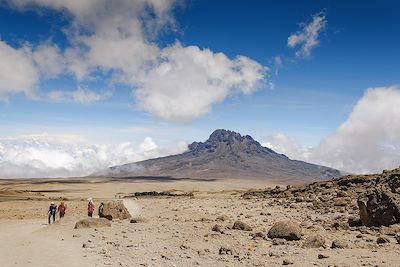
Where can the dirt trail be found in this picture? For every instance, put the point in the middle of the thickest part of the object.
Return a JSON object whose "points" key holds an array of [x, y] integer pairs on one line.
{"points": [[34, 243]]}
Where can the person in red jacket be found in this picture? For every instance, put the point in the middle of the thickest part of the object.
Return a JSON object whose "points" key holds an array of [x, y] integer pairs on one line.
{"points": [[61, 209], [90, 208]]}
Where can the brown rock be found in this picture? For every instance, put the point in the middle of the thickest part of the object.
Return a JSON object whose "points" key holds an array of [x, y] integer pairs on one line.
{"points": [[285, 229], [239, 225], [92, 223], [115, 210], [339, 244], [314, 241], [378, 208], [382, 240], [217, 228]]}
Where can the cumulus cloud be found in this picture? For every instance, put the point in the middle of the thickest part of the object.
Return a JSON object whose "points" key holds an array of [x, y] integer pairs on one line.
{"points": [[189, 80], [307, 37], [18, 73], [46, 155], [118, 38], [368, 141]]}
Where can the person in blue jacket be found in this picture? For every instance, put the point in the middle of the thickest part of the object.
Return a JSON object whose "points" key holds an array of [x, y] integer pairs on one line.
{"points": [[52, 211]]}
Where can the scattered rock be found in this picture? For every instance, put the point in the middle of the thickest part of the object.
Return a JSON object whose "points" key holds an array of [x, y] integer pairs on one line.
{"points": [[285, 229], [259, 235], [137, 220], [278, 241], [382, 240], [314, 241], [322, 256], [287, 262], [397, 237], [239, 225], [225, 251], [217, 228], [339, 244], [92, 223]]}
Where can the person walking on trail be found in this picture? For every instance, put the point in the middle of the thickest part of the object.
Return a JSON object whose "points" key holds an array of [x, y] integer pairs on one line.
{"points": [[90, 208], [62, 208], [52, 211], [101, 209]]}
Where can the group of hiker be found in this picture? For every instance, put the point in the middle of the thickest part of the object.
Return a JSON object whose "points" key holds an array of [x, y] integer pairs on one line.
{"points": [[53, 209], [62, 208]]}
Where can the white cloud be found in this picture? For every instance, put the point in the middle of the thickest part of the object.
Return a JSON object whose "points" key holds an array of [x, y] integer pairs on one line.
{"points": [[17, 71], [80, 95], [49, 60], [368, 141], [188, 81], [45, 155], [175, 83], [307, 36]]}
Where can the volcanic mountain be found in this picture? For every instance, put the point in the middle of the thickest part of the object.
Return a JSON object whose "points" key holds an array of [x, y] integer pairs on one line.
{"points": [[226, 154]]}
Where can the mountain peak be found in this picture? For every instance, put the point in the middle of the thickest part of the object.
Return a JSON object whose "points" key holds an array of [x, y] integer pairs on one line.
{"points": [[224, 141]]}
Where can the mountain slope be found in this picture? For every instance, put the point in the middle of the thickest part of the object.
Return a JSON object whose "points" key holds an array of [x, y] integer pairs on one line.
{"points": [[226, 154]]}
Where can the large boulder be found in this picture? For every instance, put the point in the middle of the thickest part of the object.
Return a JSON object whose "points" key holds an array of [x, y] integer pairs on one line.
{"points": [[285, 229], [92, 223], [379, 207], [115, 210]]}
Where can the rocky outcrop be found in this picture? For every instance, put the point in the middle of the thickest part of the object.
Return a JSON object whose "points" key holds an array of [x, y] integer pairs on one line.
{"points": [[92, 223], [379, 207], [285, 229], [370, 200]]}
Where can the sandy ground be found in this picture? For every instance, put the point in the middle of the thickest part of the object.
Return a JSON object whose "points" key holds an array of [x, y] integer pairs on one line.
{"points": [[172, 231]]}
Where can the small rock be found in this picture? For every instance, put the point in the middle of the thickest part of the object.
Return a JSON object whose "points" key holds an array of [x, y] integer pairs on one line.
{"points": [[382, 240], [239, 225], [339, 244], [285, 229], [287, 262], [278, 241], [217, 228], [322, 256], [314, 241]]}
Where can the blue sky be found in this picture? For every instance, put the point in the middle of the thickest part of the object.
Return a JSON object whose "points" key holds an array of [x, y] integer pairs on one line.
{"points": [[118, 95]]}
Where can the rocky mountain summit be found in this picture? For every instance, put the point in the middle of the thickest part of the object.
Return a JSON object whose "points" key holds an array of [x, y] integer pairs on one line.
{"points": [[226, 154]]}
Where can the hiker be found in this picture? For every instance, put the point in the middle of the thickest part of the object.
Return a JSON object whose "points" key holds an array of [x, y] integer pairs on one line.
{"points": [[61, 209], [90, 208], [52, 211], [101, 209]]}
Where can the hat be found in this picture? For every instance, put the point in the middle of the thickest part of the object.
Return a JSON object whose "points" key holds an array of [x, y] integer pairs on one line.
{"points": [[52, 203]]}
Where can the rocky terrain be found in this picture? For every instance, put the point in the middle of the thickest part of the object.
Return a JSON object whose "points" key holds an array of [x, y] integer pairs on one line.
{"points": [[226, 154], [347, 221]]}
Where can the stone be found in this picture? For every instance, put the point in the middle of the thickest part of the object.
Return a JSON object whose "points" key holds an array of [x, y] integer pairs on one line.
{"points": [[382, 240], [339, 244], [397, 237], [217, 228], [379, 207], [285, 229], [315, 241], [239, 225], [278, 241], [322, 256], [115, 210], [92, 223], [287, 262]]}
